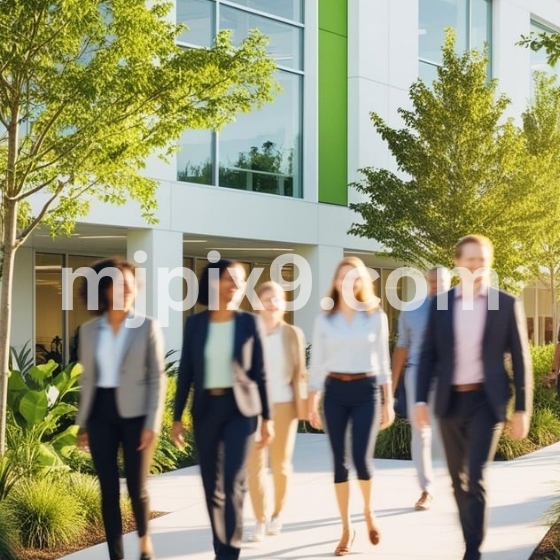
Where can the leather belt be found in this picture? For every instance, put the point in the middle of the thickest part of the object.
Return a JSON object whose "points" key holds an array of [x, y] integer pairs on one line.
{"points": [[349, 376], [466, 387], [219, 392]]}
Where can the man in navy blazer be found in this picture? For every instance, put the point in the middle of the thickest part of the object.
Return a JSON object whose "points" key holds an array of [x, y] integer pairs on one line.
{"points": [[470, 331]]}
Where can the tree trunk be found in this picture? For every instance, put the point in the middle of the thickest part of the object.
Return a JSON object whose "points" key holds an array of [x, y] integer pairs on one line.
{"points": [[553, 297], [7, 267]]}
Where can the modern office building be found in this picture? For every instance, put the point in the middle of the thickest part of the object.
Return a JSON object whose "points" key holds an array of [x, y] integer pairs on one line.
{"points": [[276, 181]]}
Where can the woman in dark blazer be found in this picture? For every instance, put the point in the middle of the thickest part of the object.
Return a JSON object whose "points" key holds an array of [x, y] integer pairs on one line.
{"points": [[122, 395], [222, 359]]}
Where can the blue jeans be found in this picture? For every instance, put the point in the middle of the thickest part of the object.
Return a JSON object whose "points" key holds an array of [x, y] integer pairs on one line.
{"points": [[356, 402]]}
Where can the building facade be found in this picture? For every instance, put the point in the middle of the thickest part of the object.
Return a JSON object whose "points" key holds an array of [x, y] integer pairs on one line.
{"points": [[276, 181]]}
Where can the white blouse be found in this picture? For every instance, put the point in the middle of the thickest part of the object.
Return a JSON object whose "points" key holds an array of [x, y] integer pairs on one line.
{"points": [[361, 346]]}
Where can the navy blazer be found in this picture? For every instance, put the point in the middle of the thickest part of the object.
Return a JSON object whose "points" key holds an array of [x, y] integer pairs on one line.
{"points": [[505, 331], [248, 366]]}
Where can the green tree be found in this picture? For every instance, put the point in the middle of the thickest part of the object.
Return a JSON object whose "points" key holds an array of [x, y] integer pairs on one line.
{"points": [[541, 125], [89, 89], [463, 168]]}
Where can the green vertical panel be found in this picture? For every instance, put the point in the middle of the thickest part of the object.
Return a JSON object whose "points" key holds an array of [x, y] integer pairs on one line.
{"points": [[333, 117], [333, 16]]}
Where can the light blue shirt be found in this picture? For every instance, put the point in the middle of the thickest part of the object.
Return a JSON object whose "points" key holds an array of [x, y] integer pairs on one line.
{"points": [[109, 353], [218, 355], [412, 325], [361, 346]]}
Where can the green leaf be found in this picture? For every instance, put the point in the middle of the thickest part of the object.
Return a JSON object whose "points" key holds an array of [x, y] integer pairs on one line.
{"points": [[33, 407], [16, 383], [40, 373], [65, 441]]}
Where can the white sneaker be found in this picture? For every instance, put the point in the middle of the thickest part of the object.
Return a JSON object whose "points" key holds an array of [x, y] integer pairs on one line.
{"points": [[275, 526], [258, 534]]}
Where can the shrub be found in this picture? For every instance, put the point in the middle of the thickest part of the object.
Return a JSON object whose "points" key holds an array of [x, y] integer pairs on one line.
{"points": [[45, 513], [394, 442], [7, 537]]}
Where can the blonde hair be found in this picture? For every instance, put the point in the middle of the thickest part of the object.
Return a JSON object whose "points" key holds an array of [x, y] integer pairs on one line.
{"points": [[271, 286], [366, 292], [481, 240]]}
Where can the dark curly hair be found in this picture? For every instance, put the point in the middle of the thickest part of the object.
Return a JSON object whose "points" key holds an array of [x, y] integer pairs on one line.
{"points": [[204, 286], [103, 282]]}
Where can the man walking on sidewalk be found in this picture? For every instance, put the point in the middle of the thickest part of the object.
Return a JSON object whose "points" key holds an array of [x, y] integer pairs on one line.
{"points": [[470, 330], [412, 324]]}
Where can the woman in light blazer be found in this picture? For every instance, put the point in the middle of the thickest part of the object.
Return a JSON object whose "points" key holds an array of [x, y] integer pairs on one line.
{"points": [[122, 396], [287, 381], [222, 359], [350, 363]]}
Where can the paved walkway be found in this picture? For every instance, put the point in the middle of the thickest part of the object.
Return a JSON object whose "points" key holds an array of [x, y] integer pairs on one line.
{"points": [[520, 492]]}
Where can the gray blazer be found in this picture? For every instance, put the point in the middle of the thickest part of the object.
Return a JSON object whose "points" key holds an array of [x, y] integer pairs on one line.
{"points": [[142, 373]]}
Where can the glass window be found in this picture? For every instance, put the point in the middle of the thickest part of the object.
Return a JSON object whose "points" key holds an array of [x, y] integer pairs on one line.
{"points": [[262, 150], [539, 62], [285, 41], [49, 317], [194, 159], [288, 9], [435, 16], [471, 20], [198, 16], [427, 72]]}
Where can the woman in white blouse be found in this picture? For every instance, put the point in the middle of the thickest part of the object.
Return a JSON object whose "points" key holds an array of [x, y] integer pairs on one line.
{"points": [[287, 385], [350, 360]]}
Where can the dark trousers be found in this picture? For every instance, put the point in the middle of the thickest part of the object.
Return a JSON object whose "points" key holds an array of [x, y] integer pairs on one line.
{"points": [[222, 436], [107, 431], [470, 435], [356, 402]]}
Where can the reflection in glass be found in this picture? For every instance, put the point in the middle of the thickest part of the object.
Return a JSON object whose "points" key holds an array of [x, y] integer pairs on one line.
{"points": [[427, 72], [194, 159], [261, 151], [198, 16], [434, 17], [285, 43], [539, 62], [288, 9], [481, 16], [49, 324], [79, 313]]}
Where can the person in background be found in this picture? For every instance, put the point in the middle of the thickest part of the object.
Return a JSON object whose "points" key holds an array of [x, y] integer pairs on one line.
{"points": [[122, 393], [350, 364], [287, 383], [412, 324], [222, 359]]}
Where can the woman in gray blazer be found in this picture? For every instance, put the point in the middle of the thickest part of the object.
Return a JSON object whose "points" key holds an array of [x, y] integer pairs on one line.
{"points": [[121, 396], [222, 359]]}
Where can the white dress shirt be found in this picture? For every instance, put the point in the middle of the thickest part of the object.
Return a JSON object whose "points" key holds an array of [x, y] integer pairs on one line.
{"points": [[218, 355], [110, 353], [280, 388], [361, 346]]}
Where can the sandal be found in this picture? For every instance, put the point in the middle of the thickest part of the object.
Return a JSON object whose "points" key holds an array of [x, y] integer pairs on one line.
{"points": [[373, 529], [345, 545]]}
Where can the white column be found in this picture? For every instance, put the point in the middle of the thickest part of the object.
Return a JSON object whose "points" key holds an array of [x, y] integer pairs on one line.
{"points": [[164, 251], [322, 260], [23, 316]]}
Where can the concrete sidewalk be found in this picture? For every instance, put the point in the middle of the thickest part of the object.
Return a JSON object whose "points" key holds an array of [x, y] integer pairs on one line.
{"points": [[520, 492]]}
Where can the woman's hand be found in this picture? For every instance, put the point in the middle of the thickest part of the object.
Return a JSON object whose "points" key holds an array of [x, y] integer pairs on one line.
{"points": [[315, 419], [147, 438], [387, 415], [177, 437], [267, 433], [82, 440]]}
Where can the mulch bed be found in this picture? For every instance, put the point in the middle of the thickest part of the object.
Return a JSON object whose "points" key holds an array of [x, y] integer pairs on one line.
{"points": [[547, 549], [91, 537]]}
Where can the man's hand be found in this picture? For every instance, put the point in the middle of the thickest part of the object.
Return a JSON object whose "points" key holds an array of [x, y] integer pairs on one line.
{"points": [[146, 439], [387, 416], [422, 416], [519, 425], [267, 434], [177, 431], [82, 440]]}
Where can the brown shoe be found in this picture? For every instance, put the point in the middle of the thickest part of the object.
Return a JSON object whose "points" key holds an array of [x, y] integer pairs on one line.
{"points": [[345, 545], [424, 502]]}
